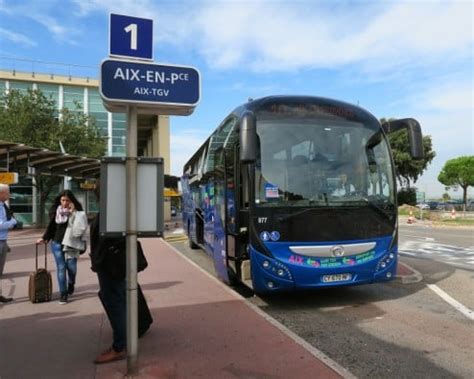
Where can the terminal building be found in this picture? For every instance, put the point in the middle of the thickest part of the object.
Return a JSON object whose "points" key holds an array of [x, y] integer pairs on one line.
{"points": [[66, 91]]}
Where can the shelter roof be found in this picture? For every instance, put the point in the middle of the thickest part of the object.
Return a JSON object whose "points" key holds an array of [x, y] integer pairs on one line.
{"points": [[19, 157]]}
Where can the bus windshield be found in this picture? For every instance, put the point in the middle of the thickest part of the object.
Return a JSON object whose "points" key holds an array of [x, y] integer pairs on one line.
{"points": [[322, 162]]}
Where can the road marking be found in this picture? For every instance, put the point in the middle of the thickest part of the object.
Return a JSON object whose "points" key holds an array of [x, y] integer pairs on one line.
{"points": [[457, 305]]}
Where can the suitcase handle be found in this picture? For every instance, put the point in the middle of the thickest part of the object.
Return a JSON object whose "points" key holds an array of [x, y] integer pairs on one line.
{"points": [[45, 255]]}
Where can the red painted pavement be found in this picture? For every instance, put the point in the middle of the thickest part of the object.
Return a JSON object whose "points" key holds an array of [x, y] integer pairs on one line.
{"points": [[201, 328]]}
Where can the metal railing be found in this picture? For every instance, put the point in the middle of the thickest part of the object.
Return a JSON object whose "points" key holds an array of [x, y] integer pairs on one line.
{"points": [[15, 64]]}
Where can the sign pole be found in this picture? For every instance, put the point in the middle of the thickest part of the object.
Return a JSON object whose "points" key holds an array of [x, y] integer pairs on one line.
{"points": [[133, 85], [131, 282]]}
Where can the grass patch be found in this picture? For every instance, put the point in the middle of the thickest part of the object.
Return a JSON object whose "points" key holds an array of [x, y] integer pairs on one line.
{"points": [[438, 218], [456, 222]]}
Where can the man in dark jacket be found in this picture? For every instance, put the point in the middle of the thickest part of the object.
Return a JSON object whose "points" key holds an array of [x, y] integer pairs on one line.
{"points": [[7, 222], [112, 291]]}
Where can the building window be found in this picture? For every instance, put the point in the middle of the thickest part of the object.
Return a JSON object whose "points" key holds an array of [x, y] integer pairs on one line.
{"points": [[73, 95], [21, 86]]}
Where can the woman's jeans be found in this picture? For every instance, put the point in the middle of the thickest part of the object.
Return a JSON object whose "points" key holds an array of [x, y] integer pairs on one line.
{"points": [[114, 299], [64, 267]]}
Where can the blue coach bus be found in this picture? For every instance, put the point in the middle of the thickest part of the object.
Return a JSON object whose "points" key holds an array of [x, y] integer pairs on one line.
{"points": [[297, 192]]}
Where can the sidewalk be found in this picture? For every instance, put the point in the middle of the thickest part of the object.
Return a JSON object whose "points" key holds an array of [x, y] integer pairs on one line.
{"points": [[201, 328]]}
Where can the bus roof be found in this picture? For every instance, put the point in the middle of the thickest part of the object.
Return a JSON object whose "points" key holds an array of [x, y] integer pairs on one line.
{"points": [[261, 103]]}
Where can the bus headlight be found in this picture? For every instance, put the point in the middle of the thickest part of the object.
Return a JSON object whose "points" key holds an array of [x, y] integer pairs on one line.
{"points": [[276, 268], [384, 262]]}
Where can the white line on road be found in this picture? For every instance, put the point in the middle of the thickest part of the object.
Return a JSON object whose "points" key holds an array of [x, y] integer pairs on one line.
{"points": [[457, 305]]}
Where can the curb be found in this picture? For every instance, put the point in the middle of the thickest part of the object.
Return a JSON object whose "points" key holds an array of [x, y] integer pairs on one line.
{"points": [[319, 355], [414, 277]]}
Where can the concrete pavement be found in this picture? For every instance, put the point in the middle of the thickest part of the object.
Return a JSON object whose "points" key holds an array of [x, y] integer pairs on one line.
{"points": [[201, 328]]}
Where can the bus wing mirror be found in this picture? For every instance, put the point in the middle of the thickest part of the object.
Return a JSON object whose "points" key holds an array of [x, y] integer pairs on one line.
{"points": [[248, 138], [414, 134]]}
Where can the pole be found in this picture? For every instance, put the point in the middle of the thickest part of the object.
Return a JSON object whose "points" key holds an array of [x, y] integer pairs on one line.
{"points": [[131, 195]]}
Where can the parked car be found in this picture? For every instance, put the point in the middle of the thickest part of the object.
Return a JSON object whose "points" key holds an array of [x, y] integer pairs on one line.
{"points": [[423, 206], [441, 206], [433, 205]]}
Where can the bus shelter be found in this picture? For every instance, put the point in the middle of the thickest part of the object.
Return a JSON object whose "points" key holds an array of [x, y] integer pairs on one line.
{"points": [[27, 160], [20, 163]]}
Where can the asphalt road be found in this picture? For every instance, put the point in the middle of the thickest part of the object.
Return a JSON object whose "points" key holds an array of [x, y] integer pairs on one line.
{"points": [[422, 329], [453, 246]]}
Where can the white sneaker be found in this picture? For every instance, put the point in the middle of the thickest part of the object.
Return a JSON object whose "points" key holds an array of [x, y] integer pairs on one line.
{"points": [[63, 299]]}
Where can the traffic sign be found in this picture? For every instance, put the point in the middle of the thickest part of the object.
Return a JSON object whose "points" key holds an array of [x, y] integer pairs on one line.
{"points": [[8, 177], [420, 197], [174, 89], [131, 37]]}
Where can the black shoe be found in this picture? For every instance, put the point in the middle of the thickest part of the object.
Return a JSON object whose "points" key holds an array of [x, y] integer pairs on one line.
{"points": [[63, 299], [70, 288], [5, 299]]}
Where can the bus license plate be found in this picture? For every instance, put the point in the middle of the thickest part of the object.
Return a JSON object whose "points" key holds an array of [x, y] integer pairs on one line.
{"points": [[337, 278]]}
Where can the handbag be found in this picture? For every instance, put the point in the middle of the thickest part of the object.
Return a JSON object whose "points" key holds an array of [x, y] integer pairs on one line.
{"points": [[85, 248]]}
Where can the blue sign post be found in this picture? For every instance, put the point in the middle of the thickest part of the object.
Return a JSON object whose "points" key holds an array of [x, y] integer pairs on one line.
{"points": [[131, 37], [149, 85]]}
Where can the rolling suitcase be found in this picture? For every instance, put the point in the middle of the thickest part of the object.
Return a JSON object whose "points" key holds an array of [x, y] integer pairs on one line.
{"points": [[40, 287], [144, 315]]}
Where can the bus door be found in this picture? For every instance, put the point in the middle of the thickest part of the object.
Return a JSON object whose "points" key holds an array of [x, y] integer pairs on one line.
{"points": [[208, 207], [219, 235], [215, 223], [236, 236]]}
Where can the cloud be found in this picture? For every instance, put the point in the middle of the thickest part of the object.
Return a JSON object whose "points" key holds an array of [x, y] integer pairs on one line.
{"points": [[183, 144], [42, 13], [449, 97], [59, 31], [131, 8], [279, 36], [285, 36], [17, 38]]}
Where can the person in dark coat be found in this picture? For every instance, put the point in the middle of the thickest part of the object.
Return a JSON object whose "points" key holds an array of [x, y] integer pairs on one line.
{"points": [[112, 292]]}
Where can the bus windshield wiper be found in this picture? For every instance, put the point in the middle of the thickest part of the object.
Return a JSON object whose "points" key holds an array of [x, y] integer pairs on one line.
{"points": [[383, 210], [287, 217]]}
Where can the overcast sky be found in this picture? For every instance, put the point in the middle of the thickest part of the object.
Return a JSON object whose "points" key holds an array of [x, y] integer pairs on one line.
{"points": [[395, 59]]}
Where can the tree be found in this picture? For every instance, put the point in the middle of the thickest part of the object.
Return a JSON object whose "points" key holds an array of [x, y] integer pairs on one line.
{"points": [[406, 168], [458, 172], [32, 118], [446, 196]]}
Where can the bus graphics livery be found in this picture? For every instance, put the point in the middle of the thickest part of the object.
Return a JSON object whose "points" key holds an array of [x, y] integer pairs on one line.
{"points": [[297, 192]]}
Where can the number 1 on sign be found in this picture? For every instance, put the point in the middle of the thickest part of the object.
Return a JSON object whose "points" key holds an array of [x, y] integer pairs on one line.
{"points": [[133, 38]]}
